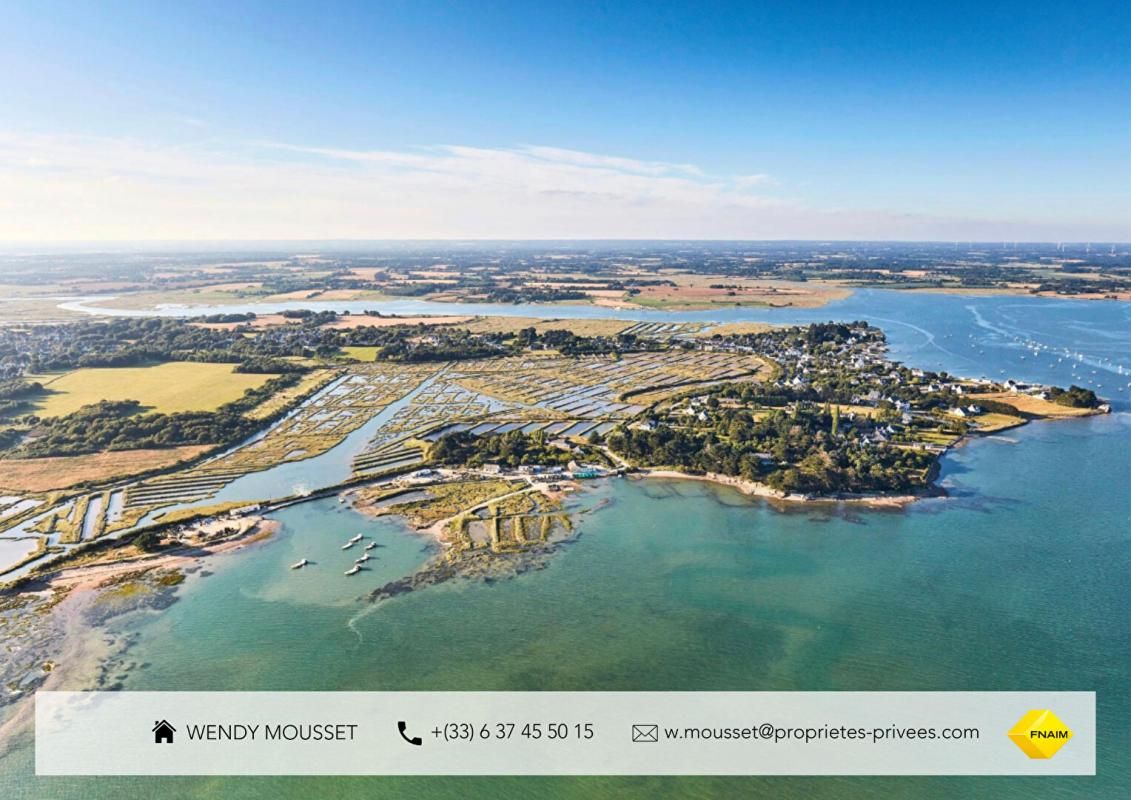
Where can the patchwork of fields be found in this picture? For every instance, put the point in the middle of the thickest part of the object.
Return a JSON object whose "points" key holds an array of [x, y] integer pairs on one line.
{"points": [[316, 426], [418, 403], [61, 472], [559, 395]]}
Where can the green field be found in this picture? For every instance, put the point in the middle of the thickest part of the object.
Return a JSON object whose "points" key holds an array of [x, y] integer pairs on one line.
{"points": [[176, 386], [361, 353]]}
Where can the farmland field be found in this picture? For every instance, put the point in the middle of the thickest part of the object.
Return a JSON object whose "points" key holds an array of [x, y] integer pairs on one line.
{"points": [[579, 327], [704, 291], [45, 474], [187, 297], [166, 388], [1027, 404], [361, 353], [988, 423]]}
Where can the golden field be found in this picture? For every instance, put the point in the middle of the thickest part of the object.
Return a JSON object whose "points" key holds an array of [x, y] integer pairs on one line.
{"points": [[167, 388], [1027, 404], [60, 472]]}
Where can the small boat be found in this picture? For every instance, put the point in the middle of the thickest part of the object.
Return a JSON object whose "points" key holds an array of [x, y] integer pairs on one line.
{"points": [[353, 570], [371, 545], [299, 564], [348, 545], [362, 560], [355, 538]]}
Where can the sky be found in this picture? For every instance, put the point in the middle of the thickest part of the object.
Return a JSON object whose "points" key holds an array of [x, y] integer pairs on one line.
{"points": [[187, 121]]}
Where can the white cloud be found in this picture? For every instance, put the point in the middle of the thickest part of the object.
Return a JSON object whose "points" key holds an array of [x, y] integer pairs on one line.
{"points": [[58, 188], [632, 165], [750, 181]]}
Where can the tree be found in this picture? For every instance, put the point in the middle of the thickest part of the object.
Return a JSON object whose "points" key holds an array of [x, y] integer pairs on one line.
{"points": [[149, 541]]}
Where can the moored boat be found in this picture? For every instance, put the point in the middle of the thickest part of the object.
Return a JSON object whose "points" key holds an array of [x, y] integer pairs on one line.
{"points": [[353, 570], [299, 564]]}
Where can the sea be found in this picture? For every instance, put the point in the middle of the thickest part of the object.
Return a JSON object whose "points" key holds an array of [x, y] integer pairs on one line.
{"points": [[1016, 580]]}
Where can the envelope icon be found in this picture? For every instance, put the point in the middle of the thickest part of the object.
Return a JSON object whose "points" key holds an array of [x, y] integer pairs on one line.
{"points": [[645, 733]]}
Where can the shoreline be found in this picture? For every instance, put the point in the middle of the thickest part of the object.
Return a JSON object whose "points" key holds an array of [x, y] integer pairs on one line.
{"points": [[69, 653], [877, 501], [993, 291], [755, 489], [78, 654], [63, 628], [85, 577], [74, 654], [89, 305], [437, 529]]}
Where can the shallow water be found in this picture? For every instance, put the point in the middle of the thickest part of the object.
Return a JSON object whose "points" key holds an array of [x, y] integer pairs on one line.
{"points": [[1016, 581], [678, 585], [16, 549]]}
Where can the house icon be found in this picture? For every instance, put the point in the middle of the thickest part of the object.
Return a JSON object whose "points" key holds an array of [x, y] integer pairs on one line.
{"points": [[163, 733]]}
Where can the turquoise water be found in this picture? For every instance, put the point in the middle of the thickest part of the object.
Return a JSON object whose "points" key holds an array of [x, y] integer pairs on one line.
{"points": [[1018, 580], [676, 585]]}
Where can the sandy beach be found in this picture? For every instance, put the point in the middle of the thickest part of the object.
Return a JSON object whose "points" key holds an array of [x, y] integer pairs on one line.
{"points": [[92, 576]]}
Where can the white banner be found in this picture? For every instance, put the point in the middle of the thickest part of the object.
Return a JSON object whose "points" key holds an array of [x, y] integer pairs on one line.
{"points": [[565, 733]]}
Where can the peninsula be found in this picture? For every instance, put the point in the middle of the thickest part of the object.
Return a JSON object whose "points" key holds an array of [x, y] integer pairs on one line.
{"points": [[97, 451]]}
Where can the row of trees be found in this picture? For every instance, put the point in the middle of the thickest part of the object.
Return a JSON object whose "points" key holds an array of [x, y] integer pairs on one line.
{"points": [[570, 344], [16, 396], [136, 342], [513, 449]]}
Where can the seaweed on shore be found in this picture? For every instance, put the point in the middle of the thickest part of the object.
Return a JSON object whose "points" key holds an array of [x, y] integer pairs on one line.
{"points": [[30, 637], [153, 589], [478, 564]]}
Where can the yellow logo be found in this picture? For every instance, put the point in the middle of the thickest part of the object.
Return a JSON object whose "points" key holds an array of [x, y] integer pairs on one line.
{"points": [[1040, 733]]}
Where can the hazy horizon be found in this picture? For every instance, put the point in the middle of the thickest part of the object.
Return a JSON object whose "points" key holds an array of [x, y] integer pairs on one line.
{"points": [[578, 121], [211, 244]]}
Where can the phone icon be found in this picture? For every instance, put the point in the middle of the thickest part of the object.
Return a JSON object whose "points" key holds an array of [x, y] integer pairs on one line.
{"points": [[416, 740]]}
